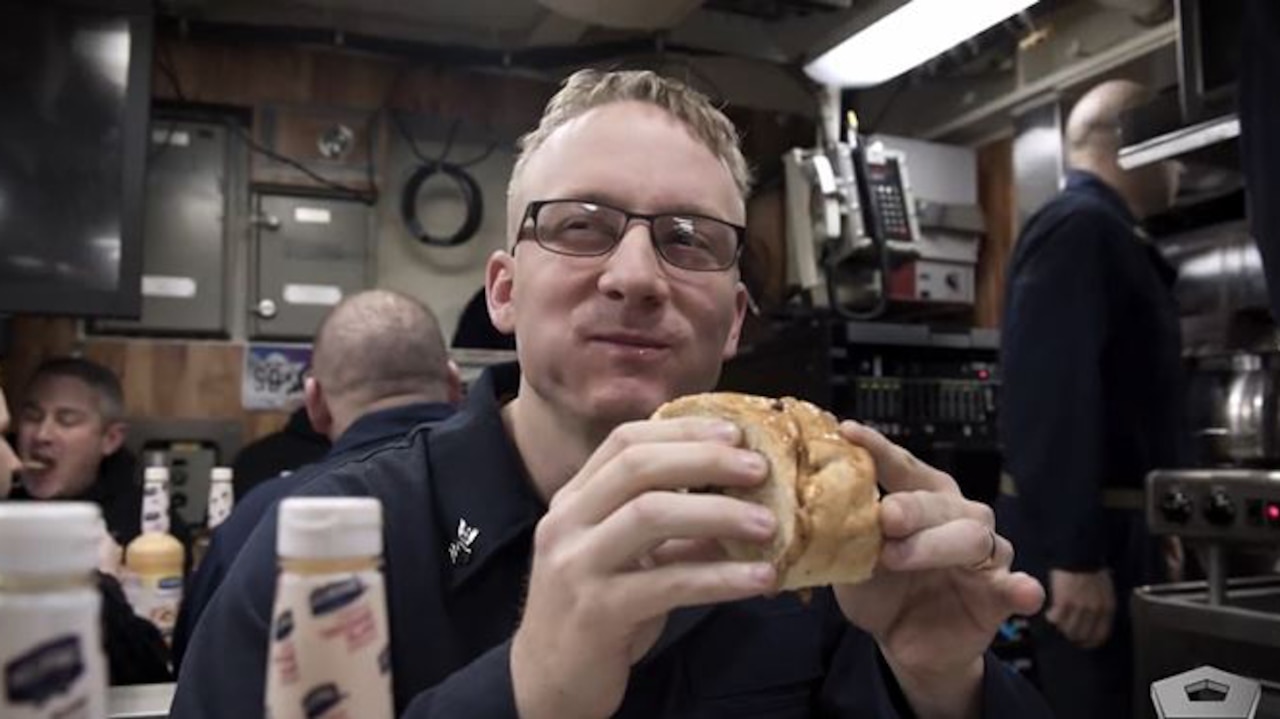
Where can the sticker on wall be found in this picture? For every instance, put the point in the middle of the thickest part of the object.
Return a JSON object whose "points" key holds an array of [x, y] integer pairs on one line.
{"points": [[174, 287], [273, 375], [319, 295]]}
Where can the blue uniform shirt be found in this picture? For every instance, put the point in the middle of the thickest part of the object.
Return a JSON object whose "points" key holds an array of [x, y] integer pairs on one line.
{"points": [[365, 434], [452, 613], [1092, 394]]}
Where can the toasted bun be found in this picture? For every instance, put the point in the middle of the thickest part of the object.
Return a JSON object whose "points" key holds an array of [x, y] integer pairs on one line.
{"points": [[821, 487]]}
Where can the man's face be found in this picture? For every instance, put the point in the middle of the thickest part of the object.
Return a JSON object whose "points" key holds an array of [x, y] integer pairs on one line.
{"points": [[605, 340], [8, 460], [62, 438]]}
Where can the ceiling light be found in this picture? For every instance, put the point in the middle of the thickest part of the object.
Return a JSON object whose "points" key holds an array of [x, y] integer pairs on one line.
{"points": [[910, 35]]}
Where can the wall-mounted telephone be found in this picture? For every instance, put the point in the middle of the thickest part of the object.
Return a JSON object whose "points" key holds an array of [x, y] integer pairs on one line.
{"points": [[860, 235], [850, 220]]}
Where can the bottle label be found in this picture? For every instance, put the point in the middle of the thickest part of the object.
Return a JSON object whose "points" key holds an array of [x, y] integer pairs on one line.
{"points": [[330, 653], [155, 507], [51, 662], [220, 501], [155, 598]]}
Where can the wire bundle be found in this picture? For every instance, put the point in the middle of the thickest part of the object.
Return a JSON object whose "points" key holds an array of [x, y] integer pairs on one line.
{"points": [[467, 186]]}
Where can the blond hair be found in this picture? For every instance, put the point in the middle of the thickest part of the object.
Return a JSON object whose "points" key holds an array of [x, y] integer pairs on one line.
{"points": [[585, 90]]}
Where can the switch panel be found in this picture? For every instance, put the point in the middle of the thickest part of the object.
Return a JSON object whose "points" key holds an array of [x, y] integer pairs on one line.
{"points": [[1228, 505]]}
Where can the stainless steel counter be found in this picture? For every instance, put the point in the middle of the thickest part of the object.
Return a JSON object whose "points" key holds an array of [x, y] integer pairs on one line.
{"points": [[1176, 628]]}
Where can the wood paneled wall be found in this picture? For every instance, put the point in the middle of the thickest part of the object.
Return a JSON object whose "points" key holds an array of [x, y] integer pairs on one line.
{"points": [[251, 75], [294, 92], [169, 379], [997, 195]]}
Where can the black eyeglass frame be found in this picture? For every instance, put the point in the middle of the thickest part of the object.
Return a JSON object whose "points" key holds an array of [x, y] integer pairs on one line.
{"points": [[529, 230]]}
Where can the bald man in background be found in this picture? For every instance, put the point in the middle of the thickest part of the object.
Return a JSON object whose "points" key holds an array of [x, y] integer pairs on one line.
{"points": [[379, 368], [1091, 402]]}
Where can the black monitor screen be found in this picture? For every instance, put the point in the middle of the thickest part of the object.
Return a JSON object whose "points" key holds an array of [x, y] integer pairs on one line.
{"points": [[76, 84]]}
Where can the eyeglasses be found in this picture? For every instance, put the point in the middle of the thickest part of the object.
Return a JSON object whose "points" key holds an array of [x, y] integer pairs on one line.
{"points": [[591, 229]]}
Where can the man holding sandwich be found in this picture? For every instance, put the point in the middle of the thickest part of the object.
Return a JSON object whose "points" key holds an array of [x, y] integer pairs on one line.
{"points": [[544, 557]]}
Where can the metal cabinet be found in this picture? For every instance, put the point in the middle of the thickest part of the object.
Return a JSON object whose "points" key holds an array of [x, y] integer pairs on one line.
{"points": [[308, 253], [185, 232]]}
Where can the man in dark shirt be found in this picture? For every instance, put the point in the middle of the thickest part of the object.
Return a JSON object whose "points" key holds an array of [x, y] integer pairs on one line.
{"points": [[1092, 401], [135, 650], [296, 444], [476, 331], [538, 562], [379, 369], [71, 432]]}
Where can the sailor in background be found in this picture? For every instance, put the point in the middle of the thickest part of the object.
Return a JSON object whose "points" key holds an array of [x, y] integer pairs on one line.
{"points": [[1092, 401], [135, 651]]}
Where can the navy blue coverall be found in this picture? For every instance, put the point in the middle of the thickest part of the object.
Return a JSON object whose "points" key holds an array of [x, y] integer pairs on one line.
{"points": [[1091, 401], [452, 613]]}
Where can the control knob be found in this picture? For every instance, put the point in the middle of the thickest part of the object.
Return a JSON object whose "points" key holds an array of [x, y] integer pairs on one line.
{"points": [[1220, 510], [1176, 506]]}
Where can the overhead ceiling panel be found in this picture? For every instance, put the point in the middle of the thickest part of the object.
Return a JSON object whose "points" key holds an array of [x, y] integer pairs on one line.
{"points": [[484, 23]]}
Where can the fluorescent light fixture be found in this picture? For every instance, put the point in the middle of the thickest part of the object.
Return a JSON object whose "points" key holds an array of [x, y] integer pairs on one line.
{"points": [[918, 31]]}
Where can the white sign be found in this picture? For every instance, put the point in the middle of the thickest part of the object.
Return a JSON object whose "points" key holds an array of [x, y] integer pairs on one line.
{"points": [[312, 215], [162, 286], [321, 295]]}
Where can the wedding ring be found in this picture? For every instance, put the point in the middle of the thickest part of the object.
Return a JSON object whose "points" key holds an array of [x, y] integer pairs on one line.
{"points": [[990, 560]]}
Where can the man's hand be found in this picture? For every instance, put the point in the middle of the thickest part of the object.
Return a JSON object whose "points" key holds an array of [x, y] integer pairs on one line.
{"points": [[620, 548], [110, 554], [1175, 558], [943, 585], [1083, 605]]}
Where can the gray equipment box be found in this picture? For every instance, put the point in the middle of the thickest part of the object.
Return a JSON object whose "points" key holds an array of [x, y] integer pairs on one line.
{"points": [[308, 253], [185, 232]]}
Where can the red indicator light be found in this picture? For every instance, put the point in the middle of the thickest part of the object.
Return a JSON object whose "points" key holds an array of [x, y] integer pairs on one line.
{"points": [[1273, 512], [983, 374]]}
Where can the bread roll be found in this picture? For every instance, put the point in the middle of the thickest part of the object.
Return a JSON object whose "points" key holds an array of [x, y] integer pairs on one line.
{"points": [[821, 487]]}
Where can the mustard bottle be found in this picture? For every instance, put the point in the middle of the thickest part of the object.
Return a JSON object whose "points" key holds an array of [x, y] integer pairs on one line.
{"points": [[153, 560]]}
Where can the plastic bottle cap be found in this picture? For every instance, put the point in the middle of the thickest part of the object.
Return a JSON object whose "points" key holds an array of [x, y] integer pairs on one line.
{"points": [[49, 538], [155, 553], [220, 474], [155, 474], [329, 528]]}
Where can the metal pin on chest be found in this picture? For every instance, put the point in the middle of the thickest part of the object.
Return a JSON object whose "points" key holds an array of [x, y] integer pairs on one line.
{"points": [[460, 548]]}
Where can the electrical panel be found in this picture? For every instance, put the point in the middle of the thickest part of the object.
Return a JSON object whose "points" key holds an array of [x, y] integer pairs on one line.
{"points": [[185, 248], [308, 253]]}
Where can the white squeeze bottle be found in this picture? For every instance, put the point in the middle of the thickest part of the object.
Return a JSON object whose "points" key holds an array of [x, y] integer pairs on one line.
{"points": [[153, 560], [330, 647], [218, 508], [221, 496], [51, 658]]}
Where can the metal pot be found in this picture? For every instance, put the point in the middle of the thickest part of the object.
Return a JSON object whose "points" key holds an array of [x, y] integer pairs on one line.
{"points": [[1246, 426]]}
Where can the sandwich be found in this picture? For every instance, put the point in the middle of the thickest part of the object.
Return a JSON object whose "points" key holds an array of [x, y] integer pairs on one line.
{"points": [[821, 486]]}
